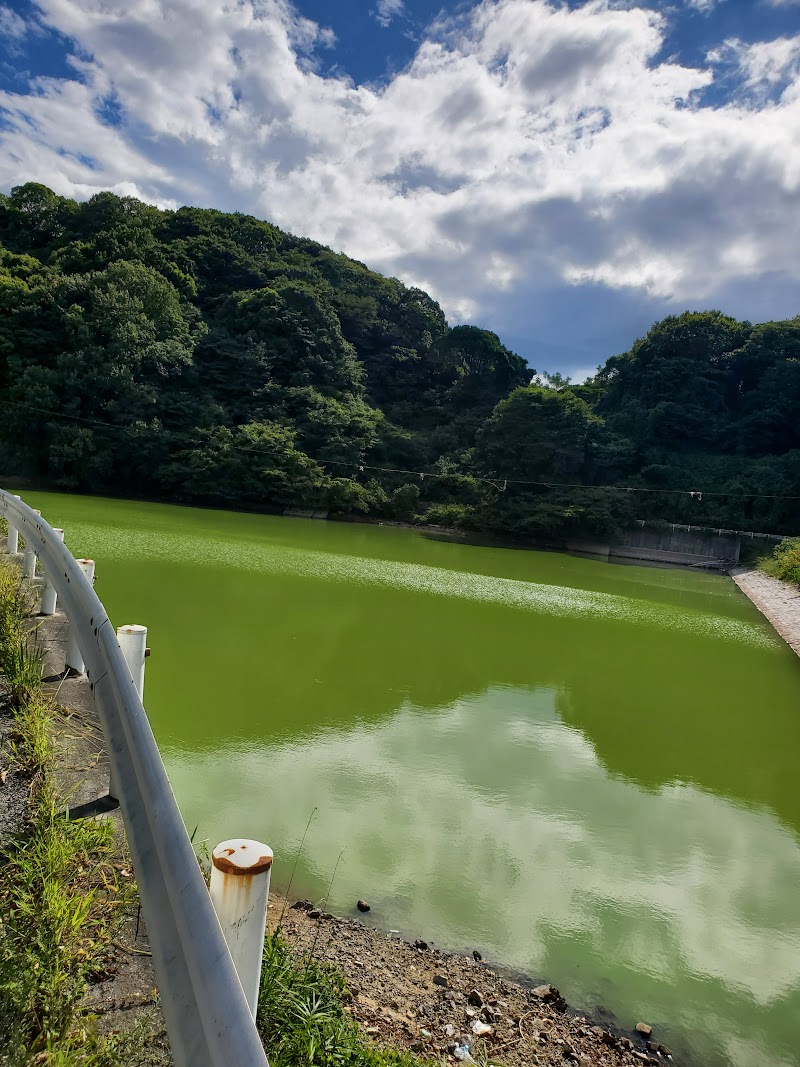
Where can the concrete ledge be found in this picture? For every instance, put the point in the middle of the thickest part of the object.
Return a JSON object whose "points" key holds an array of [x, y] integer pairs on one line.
{"points": [[658, 555], [777, 601]]}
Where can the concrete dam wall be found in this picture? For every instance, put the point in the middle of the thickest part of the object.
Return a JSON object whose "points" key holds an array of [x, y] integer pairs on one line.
{"points": [[668, 544]]}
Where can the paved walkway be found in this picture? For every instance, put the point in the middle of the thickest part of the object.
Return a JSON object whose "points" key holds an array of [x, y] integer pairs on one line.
{"points": [[776, 600]]}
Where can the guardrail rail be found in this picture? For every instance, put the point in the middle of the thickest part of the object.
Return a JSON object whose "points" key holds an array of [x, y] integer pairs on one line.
{"points": [[208, 1019]]}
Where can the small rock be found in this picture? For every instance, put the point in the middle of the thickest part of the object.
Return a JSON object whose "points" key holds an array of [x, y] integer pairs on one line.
{"points": [[419, 943], [470, 1013], [315, 913], [302, 905], [481, 1029], [643, 1028], [373, 1030], [439, 979], [475, 999], [550, 995], [362, 905], [476, 955], [424, 1032], [608, 1039], [450, 1030]]}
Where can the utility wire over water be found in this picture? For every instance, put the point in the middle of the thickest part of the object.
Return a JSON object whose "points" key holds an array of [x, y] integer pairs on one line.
{"points": [[499, 481]]}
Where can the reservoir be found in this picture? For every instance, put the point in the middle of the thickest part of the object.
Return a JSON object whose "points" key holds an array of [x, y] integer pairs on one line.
{"points": [[588, 772]]}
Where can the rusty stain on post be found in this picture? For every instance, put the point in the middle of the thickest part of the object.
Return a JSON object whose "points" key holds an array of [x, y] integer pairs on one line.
{"points": [[239, 890], [241, 864]]}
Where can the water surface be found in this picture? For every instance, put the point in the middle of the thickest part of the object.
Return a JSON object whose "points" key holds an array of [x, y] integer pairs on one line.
{"points": [[586, 771]]}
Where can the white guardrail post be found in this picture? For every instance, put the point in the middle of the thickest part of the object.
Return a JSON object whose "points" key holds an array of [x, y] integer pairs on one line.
{"points": [[12, 541], [73, 660], [133, 642], [209, 1018], [49, 599], [240, 892], [29, 556]]}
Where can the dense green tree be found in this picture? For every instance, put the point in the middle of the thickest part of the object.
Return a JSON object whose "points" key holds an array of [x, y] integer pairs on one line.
{"points": [[670, 387], [537, 434], [544, 437], [257, 463], [210, 356]]}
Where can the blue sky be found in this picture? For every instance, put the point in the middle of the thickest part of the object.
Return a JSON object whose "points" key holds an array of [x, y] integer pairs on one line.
{"points": [[564, 173]]}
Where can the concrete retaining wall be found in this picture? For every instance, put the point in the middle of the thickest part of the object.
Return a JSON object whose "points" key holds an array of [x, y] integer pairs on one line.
{"points": [[691, 544], [671, 545]]}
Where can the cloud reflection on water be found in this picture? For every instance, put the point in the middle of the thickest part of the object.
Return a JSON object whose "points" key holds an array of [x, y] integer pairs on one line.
{"points": [[489, 822]]}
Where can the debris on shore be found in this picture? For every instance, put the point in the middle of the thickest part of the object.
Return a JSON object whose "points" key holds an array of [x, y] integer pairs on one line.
{"points": [[453, 1008]]}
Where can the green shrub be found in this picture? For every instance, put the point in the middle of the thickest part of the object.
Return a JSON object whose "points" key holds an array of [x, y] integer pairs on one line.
{"points": [[404, 503], [447, 514], [787, 560]]}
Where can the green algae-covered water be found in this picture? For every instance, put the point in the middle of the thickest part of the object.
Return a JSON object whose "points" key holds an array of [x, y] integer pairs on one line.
{"points": [[588, 772]]}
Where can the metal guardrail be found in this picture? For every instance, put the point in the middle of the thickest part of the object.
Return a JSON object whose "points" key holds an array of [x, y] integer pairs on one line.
{"points": [[659, 524], [206, 1012]]}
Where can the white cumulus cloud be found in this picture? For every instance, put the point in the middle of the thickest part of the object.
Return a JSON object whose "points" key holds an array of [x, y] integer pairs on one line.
{"points": [[11, 24], [764, 65], [387, 10], [527, 145]]}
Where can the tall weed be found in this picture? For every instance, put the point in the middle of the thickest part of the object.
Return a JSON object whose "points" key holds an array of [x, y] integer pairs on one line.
{"points": [[784, 563], [302, 1019]]}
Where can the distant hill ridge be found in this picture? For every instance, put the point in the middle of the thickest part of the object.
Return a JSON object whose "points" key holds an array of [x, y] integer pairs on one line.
{"points": [[212, 357]]}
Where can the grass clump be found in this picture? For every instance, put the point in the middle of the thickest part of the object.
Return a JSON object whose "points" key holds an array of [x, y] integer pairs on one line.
{"points": [[59, 892], [784, 562], [59, 899], [302, 1019], [20, 656]]}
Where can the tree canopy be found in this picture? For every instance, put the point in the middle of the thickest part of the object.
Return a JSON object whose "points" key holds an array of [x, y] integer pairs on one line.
{"points": [[211, 357]]}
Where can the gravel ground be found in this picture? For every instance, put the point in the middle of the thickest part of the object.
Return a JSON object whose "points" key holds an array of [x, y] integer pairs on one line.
{"points": [[435, 1003], [776, 600], [14, 785]]}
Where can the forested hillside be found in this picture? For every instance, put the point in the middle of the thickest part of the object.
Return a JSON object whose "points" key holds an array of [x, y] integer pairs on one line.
{"points": [[212, 358]]}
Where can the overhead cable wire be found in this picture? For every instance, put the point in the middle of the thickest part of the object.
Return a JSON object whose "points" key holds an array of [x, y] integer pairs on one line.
{"points": [[696, 494]]}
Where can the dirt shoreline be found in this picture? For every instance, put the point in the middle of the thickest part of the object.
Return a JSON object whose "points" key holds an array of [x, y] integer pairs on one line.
{"points": [[450, 1007], [777, 601]]}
